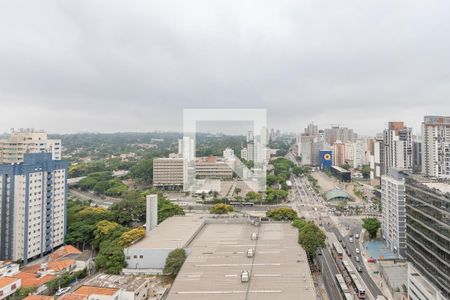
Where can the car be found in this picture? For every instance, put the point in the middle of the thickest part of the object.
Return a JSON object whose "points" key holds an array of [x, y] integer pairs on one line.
{"points": [[356, 236], [371, 260], [349, 253], [357, 258], [351, 240], [62, 291], [343, 245], [340, 240], [359, 268], [357, 251]]}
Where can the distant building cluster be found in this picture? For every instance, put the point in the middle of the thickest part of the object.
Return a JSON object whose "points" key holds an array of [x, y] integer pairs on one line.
{"points": [[344, 144]]}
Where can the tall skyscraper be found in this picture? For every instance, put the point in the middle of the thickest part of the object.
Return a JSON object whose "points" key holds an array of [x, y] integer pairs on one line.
{"points": [[397, 142], [27, 140], [436, 146], [428, 237], [393, 225], [376, 158], [33, 206]]}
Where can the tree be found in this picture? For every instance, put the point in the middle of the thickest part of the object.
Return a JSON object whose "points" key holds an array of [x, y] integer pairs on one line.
{"points": [[298, 223], [365, 170], [221, 208], [174, 261], [143, 171], [311, 238], [271, 180], [131, 236], [167, 209], [371, 225], [253, 196], [237, 191], [103, 229], [282, 213], [110, 257]]}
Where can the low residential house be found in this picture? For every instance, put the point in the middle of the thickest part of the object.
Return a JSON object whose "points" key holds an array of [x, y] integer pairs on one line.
{"points": [[92, 293], [8, 286], [82, 259], [8, 268], [31, 280], [64, 252], [52, 267], [131, 287], [39, 297]]}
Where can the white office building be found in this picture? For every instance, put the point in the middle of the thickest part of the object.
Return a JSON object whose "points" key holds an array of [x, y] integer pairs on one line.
{"points": [[397, 142], [228, 154], [28, 140], [33, 206], [393, 207], [436, 146]]}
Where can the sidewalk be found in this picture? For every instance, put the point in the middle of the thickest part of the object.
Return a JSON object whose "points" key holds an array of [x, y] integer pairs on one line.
{"points": [[372, 268]]}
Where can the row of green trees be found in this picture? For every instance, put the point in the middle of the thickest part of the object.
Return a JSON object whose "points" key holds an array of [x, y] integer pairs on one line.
{"points": [[103, 183], [311, 237], [110, 230]]}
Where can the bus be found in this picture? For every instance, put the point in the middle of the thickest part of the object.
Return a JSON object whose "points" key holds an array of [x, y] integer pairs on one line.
{"points": [[359, 288], [338, 249], [245, 204], [343, 287]]}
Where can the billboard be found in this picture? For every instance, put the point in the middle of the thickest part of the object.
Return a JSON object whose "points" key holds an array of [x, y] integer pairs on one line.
{"points": [[326, 159]]}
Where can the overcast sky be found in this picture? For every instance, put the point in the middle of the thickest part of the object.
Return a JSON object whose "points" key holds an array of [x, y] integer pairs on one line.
{"points": [[106, 66]]}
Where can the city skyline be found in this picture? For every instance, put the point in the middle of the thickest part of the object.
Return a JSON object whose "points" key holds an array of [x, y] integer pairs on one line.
{"points": [[136, 67]]}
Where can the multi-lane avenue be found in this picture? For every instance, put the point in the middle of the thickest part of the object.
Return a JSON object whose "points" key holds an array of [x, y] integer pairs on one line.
{"points": [[312, 207]]}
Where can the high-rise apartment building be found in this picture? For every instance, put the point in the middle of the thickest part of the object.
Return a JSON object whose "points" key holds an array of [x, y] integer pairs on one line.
{"points": [[393, 208], [33, 206], [376, 159], [428, 237], [436, 146], [397, 142], [24, 141]]}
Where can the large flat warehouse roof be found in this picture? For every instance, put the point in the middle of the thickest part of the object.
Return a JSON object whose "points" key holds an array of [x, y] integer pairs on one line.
{"points": [[174, 232], [279, 270]]}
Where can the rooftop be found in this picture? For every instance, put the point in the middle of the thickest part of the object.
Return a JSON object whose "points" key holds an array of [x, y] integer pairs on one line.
{"points": [[128, 283], [55, 266], [336, 194], [4, 281], [174, 232], [64, 251], [30, 279], [39, 297], [279, 270], [83, 292], [441, 186]]}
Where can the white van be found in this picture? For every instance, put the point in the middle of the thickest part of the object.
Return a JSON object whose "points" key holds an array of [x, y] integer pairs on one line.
{"points": [[351, 240]]}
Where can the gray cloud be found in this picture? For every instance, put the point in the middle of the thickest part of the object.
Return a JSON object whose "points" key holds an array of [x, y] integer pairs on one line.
{"points": [[70, 66]]}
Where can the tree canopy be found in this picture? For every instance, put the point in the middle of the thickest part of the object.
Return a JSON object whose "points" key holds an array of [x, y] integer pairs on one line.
{"points": [[282, 213], [221, 208], [372, 225], [174, 261]]}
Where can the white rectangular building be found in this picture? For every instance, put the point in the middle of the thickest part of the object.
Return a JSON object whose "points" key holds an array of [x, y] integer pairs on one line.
{"points": [[33, 206], [393, 207]]}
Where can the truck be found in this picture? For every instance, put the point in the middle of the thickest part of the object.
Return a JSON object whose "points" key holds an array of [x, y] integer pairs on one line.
{"points": [[245, 276], [250, 252]]}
